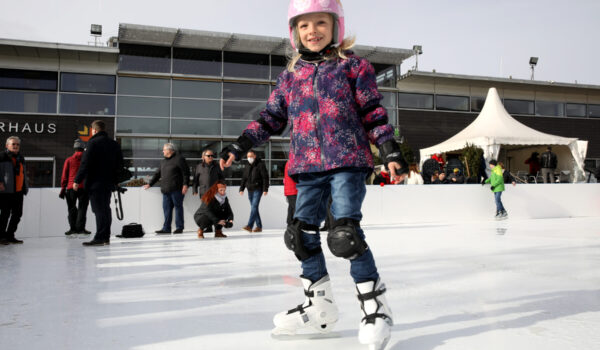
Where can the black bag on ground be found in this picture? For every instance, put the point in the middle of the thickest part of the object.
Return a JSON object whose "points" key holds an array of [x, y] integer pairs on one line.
{"points": [[132, 230]]}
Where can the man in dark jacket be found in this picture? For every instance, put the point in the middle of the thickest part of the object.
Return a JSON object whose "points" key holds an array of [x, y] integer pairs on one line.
{"points": [[174, 176], [13, 186], [76, 214], [100, 164], [548, 162], [207, 173], [256, 179]]}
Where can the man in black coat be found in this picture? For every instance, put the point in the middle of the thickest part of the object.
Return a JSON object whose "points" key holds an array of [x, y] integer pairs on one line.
{"points": [[100, 163], [207, 173], [13, 186], [256, 179], [174, 176], [548, 162]]}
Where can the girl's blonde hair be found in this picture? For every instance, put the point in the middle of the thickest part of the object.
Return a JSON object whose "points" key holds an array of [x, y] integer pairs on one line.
{"points": [[336, 52]]}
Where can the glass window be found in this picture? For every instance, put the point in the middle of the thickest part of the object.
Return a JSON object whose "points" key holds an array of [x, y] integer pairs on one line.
{"points": [[143, 106], [385, 75], [72, 82], [186, 108], [518, 106], [554, 109], [197, 62], [144, 86], [419, 101], [242, 110], [196, 89], [40, 173], [141, 147], [392, 116], [389, 99], [451, 103], [477, 103], [234, 128], [194, 148], [143, 168], [576, 110], [87, 104], [280, 150], [278, 65], [144, 58], [594, 111], [28, 79], [236, 170], [246, 65], [143, 125], [277, 168], [24, 101], [251, 92], [196, 127]]}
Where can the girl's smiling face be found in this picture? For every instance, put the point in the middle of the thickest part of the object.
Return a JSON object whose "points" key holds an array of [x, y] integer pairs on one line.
{"points": [[315, 30]]}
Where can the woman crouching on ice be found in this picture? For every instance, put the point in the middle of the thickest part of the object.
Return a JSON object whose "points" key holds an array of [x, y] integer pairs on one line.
{"points": [[215, 210]]}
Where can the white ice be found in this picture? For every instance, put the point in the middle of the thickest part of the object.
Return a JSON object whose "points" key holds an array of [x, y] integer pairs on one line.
{"points": [[514, 284]]}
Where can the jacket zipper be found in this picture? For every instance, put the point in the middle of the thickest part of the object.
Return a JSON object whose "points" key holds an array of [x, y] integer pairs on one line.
{"points": [[318, 113]]}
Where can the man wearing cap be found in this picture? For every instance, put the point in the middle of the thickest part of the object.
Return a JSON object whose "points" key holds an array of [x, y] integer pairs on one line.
{"points": [[456, 177], [76, 214]]}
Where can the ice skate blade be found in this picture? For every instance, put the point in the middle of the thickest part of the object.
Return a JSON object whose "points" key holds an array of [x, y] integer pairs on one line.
{"points": [[285, 335], [379, 346]]}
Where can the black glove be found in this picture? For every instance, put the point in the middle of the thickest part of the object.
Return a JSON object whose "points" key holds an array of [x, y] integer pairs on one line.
{"points": [[61, 195], [238, 148], [389, 151], [492, 188], [228, 224]]}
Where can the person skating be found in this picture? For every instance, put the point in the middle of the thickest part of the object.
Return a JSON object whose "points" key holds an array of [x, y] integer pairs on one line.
{"points": [[329, 96], [496, 180]]}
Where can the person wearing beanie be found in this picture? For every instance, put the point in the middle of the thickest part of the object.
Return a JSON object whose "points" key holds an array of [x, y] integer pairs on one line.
{"points": [[77, 201]]}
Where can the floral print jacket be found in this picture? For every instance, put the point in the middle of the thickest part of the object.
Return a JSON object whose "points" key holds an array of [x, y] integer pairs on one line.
{"points": [[334, 110]]}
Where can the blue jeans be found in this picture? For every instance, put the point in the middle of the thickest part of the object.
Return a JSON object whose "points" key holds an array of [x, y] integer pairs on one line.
{"points": [[254, 197], [170, 200], [498, 199], [347, 189]]}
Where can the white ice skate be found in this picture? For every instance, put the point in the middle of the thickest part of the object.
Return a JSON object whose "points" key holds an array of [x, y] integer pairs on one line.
{"points": [[375, 326], [318, 312]]}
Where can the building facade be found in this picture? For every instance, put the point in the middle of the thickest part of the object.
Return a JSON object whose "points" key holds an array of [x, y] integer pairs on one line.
{"points": [[199, 90]]}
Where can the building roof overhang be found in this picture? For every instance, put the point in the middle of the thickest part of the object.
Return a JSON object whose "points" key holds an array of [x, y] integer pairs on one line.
{"points": [[46, 50], [198, 39]]}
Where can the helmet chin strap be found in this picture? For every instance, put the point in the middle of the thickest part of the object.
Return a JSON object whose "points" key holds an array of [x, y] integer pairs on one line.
{"points": [[308, 55]]}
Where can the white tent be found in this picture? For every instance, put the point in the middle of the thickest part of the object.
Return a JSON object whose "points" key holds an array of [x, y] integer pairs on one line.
{"points": [[495, 128]]}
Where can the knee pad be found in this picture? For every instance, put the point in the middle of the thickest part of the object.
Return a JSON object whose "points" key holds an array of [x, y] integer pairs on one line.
{"points": [[293, 240], [344, 241]]}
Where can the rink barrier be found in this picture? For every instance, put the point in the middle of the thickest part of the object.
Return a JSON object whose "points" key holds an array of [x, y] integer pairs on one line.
{"points": [[45, 215]]}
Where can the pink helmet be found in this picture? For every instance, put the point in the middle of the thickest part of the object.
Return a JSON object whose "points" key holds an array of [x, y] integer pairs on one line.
{"points": [[301, 7]]}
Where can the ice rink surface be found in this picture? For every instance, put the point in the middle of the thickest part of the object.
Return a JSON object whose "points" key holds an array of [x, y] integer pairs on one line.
{"points": [[530, 284]]}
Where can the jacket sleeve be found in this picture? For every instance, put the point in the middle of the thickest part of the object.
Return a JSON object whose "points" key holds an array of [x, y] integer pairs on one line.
{"points": [[156, 177], [64, 180], [373, 115], [245, 175], [265, 177], [85, 163], [229, 211], [274, 118], [185, 170], [196, 181]]}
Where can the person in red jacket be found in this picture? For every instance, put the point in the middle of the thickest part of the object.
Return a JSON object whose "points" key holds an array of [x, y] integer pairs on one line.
{"points": [[77, 213], [291, 193]]}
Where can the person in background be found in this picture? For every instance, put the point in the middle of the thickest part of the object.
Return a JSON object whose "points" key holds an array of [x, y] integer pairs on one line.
{"points": [[440, 159], [439, 178], [76, 213], [548, 163], [100, 163], [506, 175], [174, 176], [496, 180], [256, 179], [534, 164], [214, 211], [291, 193], [456, 177], [208, 172], [14, 185], [413, 178], [381, 176]]}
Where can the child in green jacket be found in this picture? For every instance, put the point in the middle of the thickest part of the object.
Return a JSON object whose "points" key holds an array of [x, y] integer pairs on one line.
{"points": [[496, 179]]}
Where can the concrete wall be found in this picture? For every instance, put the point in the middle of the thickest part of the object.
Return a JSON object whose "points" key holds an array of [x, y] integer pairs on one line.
{"points": [[45, 214]]}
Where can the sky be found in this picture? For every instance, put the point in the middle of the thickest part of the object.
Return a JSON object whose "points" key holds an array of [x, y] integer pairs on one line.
{"points": [[472, 37]]}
